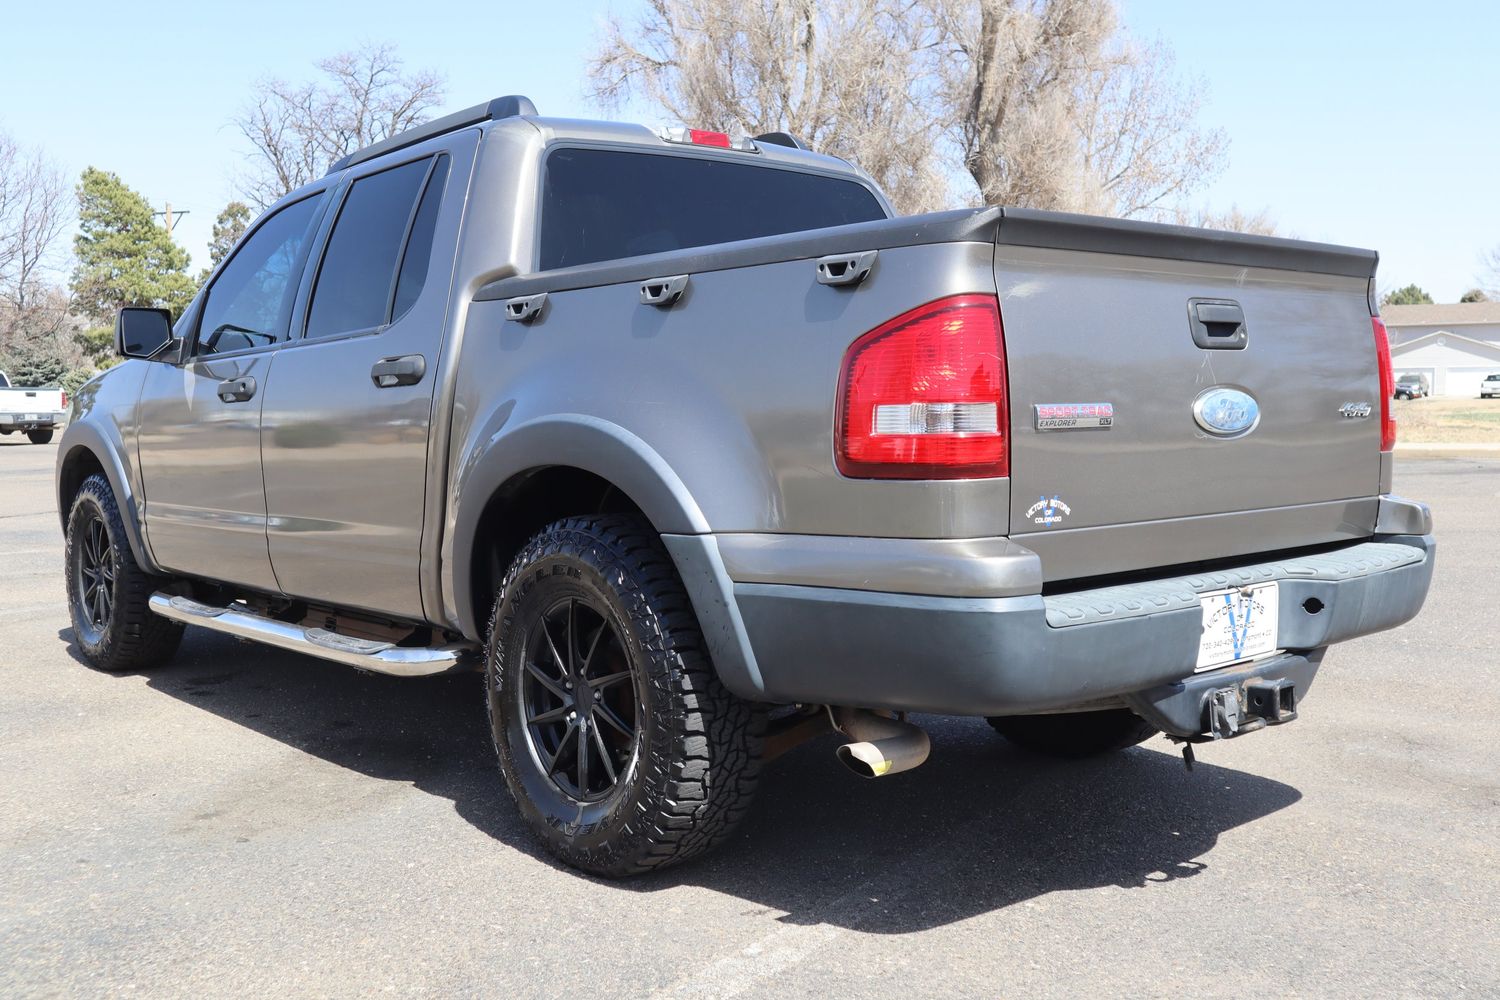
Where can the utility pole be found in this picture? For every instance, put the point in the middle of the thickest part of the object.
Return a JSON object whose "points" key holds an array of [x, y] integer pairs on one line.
{"points": [[170, 217]]}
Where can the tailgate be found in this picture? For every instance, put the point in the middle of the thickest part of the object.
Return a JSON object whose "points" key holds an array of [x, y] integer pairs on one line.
{"points": [[1150, 326], [29, 401]]}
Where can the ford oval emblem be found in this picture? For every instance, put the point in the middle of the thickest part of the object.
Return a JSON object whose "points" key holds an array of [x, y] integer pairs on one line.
{"points": [[1225, 412]]}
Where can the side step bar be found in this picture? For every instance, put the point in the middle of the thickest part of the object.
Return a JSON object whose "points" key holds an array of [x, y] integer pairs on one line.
{"points": [[367, 654]]}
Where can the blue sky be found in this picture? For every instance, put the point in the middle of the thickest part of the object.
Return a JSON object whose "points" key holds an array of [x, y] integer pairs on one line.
{"points": [[1366, 123]]}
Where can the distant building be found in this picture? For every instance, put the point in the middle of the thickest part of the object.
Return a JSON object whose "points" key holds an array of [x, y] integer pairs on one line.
{"points": [[1455, 346]]}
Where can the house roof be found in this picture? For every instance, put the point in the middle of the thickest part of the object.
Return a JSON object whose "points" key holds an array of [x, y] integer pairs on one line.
{"points": [[1486, 346], [1446, 314]]}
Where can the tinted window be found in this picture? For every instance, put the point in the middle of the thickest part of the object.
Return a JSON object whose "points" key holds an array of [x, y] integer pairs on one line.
{"points": [[602, 204], [249, 301], [419, 244], [354, 283]]}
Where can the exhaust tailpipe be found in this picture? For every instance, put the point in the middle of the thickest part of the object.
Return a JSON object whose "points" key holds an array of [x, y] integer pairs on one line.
{"points": [[882, 744]]}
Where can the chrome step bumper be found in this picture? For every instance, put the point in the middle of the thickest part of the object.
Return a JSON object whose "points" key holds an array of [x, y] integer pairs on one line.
{"points": [[367, 654]]}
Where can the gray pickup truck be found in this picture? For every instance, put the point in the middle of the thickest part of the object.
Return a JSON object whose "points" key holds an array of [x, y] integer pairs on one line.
{"points": [[698, 452]]}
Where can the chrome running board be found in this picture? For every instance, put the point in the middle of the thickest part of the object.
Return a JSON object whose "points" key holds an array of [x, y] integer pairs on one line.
{"points": [[367, 654]]}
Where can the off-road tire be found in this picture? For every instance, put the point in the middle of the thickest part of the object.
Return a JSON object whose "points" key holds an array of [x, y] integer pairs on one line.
{"points": [[697, 747], [1075, 735], [39, 437], [133, 638]]}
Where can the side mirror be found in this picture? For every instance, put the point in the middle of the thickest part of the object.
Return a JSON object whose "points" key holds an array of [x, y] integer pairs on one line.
{"points": [[142, 333]]}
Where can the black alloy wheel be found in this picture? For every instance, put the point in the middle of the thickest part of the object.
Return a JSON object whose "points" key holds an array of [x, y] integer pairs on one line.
{"points": [[580, 701], [108, 592], [94, 576], [621, 747]]}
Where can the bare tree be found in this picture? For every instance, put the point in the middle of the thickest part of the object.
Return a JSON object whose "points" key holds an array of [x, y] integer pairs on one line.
{"points": [[1235, 220], [840, 77], [34, 210], [298, 130], [1489, 275], [1050, 105], [1042, 103]]}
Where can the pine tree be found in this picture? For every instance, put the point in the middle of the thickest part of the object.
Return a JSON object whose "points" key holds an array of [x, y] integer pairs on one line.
{"points": [[33, 365], [1411, 295], [124, 257], [229, 228]]}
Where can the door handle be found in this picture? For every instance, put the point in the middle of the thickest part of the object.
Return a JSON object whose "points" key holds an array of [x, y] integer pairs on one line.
{"points": [[390, 372], [237, 390]]}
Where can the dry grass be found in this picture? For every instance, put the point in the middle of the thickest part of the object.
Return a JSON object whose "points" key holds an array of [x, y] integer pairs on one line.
{"points": [[1447, 421]]}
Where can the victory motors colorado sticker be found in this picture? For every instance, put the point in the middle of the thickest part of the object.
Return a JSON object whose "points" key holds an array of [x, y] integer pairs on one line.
{"points": [[1048, 512]]}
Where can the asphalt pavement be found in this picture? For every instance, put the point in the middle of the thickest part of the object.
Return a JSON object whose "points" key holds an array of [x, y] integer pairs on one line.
{"points": [[249, 822]]}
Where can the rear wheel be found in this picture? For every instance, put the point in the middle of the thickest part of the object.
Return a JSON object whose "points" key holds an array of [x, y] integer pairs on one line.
{"points": [[107, 591], [1075, 734], [40, 436], [620, 746]]}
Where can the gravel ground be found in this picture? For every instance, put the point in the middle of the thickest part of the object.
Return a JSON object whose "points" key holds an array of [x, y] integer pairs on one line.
{"points": [[249, 822]]}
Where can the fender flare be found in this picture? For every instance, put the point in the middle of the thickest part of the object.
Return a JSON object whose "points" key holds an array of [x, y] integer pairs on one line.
{"points": [[605, 449], [85, 437], [618, 456]]}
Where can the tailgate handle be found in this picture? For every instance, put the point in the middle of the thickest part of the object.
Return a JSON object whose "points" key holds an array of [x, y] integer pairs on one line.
{"points": [[846, 268], [663, 292], [1218, 324]]}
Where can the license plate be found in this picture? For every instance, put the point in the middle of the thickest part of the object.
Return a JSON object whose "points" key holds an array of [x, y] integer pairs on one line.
{"points": [[31, 416], [1238, 625]]}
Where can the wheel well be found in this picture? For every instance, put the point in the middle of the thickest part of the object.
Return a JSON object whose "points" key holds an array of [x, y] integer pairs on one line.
{"points": [[521, 507], [80, 464]]}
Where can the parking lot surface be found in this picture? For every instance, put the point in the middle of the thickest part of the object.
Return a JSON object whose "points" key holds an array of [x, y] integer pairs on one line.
{"points": [[250, 822]]}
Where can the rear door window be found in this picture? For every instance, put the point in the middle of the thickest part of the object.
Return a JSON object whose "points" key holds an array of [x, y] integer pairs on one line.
{"points": [[358, 275], [602, 204]]}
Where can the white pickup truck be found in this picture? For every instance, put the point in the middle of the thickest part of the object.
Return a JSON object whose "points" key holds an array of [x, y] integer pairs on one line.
{"points": [[37, 412]]}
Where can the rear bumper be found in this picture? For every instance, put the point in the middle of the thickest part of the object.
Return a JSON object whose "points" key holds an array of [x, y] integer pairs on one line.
{"points": [[1029, 653], [21, 421]]}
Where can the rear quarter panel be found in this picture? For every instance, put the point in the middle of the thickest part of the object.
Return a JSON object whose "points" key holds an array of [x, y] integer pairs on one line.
{"points": [[733, 389]]}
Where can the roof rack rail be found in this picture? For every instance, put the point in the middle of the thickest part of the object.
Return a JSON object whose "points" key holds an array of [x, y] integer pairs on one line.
{"points": [[510, 106], [781, 139]]}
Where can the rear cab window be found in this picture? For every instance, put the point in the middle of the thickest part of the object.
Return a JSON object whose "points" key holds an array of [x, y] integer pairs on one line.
{"points": [[607, 204]]}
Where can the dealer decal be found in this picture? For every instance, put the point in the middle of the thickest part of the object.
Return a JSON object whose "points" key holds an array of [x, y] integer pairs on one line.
{"points": [[1048, 512]]}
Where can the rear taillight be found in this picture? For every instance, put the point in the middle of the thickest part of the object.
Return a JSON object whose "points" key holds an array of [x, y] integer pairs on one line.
{"points": [[923, 396], [65, 399], [1387, 385]]}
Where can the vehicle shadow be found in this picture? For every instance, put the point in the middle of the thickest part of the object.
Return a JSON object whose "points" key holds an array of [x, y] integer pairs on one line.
{"points": [[981, 826]]}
